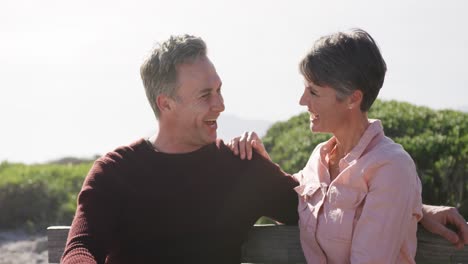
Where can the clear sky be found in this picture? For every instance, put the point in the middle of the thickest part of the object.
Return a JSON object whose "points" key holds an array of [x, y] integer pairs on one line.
{"points": [[69, 70]]}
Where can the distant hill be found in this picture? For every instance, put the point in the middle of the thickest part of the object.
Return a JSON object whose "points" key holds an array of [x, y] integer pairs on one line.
{"points": [[73, 160], [230, 126]]}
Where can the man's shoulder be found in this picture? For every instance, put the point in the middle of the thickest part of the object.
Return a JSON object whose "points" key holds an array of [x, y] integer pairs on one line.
{"points": [[125, 152], [118, 162], [222, 150], [257, 163], [221, 146]]}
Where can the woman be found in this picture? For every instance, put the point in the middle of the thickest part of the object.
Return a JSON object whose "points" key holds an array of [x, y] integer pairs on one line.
{"points": [[359, 194]]}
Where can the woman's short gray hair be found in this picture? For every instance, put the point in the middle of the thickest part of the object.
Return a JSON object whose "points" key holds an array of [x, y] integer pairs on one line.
{"points": [[346, 61], [159, 71]]}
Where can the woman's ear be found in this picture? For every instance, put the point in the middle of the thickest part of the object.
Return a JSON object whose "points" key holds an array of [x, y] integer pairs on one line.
{"points": [[355, 99]]}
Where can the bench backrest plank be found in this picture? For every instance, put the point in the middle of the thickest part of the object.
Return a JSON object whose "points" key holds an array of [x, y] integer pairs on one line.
{"points": [[281, 245]]}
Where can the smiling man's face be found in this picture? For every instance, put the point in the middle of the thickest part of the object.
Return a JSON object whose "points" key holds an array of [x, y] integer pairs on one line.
{"points": [[197, 105]]}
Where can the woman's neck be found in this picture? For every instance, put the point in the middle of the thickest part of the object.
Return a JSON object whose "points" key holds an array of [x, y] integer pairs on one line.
{"points": [[350, 135]]}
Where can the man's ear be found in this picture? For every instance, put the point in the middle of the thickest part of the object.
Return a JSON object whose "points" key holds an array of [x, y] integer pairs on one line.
{"points": [[164, 103], [354, 101]]}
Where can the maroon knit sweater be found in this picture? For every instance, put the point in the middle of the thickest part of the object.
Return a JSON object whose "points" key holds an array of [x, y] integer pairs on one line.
{"points": [[142, 206]]}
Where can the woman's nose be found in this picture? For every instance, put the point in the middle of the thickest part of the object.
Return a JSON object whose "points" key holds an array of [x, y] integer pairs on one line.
{"points": [[303, 99]]}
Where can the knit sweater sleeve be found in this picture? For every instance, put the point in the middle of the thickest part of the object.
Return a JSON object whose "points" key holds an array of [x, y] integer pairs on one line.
{"points": [[277, 188], [94, 223], [274, 189]]}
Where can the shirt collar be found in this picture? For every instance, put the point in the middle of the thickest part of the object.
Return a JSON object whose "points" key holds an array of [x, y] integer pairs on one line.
{"points": [[373, 130]]}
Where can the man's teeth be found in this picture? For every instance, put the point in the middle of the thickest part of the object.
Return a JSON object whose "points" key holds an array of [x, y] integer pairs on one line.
{"points": [[211, 121]]}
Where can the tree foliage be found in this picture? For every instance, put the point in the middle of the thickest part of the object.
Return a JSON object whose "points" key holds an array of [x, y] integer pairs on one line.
{"points": [[36, 196], [437, 140]]}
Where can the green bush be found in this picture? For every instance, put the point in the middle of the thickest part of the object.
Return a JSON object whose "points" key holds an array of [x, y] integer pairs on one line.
{"points": [[36, 196], [29, 204], [290, 143]]}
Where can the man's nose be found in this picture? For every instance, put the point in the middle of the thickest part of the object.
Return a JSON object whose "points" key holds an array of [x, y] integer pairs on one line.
{"points": [[218, 104]]}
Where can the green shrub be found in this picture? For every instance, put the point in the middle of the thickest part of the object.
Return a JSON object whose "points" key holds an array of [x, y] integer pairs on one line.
{"points": [[35, 196], [29, 203]]}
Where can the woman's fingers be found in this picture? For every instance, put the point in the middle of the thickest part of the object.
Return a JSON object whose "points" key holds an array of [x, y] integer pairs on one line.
{"points": [[233, 144], [245, 144]]}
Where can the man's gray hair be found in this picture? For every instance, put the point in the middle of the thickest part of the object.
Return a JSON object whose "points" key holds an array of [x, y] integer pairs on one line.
{"points": [[159, 71]]}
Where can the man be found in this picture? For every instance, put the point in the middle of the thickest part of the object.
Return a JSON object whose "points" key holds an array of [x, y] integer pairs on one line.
{"points": [[181, 196]]}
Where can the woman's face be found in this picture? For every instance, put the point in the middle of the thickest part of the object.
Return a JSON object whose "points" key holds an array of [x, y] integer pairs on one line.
{"points": [[327, 114]]}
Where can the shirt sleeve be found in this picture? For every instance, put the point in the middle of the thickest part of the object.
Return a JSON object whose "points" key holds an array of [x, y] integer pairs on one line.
{"points": [[390, 213], [94, 222]]}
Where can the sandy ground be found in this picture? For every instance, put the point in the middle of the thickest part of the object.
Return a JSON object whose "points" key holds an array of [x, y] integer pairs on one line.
{"points": [[19, 247]]}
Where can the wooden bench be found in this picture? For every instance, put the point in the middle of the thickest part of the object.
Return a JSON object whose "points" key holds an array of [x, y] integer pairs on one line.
{"points": [[280, 244]]}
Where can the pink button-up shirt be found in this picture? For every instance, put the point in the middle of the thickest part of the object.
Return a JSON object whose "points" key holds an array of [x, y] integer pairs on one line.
{"points": [[369, 212]]}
